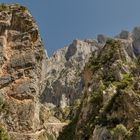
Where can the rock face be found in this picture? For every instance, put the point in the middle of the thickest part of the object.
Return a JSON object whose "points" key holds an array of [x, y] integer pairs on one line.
{"points": [[64, 68], [109, 109], [104, 74], [22, 65]]}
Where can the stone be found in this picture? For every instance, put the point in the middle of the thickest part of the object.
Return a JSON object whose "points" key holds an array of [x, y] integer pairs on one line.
{"points": [[124, 34], [22, 60], [5, 80], [63, 73], [136, 32], [101, 38], [101, 133], [136, 40]]}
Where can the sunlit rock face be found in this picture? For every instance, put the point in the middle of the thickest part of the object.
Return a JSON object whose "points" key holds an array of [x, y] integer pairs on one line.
{"points": [[104, 74], [22, 72], [64, 68], [109, 107]]}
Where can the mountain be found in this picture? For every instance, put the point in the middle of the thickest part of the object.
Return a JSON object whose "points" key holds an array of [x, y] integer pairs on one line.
{"points": [[88, 90], [22, 75], [110, 106]]}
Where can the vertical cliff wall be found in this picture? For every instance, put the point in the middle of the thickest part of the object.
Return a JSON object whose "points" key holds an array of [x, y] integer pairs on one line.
{"points": [[22, 65], [64, 83]]}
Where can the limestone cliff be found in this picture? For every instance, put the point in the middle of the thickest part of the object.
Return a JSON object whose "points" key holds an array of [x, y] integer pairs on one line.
{"points": [[64, 80], [110, 107], [22, 65], [103, 75], [64, 83]]}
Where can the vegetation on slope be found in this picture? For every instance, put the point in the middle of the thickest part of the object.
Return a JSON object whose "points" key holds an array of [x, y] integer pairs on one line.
{"points": [[111, 100]]}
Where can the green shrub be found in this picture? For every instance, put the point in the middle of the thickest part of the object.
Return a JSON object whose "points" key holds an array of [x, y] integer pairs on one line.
{"points": [[23, 8], [97, 98], [119, 131], [3, 134], [111, 41], [126, 77], [3, 7], [95, 64], [124, 83]]}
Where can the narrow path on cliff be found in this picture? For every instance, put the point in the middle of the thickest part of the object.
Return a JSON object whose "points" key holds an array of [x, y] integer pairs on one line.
{"points": [[28, 133], [40, 131]]}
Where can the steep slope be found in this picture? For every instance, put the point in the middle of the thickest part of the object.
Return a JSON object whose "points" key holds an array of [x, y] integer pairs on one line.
{"points": [[22, 72], [104, 74], [110, 107], [64, 80]]}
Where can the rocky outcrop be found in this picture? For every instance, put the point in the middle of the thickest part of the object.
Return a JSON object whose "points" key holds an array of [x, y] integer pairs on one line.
{"points": [[110, 105], [64, 68], [22, 70]]}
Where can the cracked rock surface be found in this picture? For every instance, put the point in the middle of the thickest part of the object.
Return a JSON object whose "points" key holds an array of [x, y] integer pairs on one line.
{"points": [[22, 70]]}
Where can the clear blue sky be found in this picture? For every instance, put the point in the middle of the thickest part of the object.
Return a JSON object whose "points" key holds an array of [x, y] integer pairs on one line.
{"points": [[61, 21]]}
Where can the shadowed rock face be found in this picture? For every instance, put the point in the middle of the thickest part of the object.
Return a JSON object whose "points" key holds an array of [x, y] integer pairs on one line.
{"points": [[22, 65], [64, 81]]}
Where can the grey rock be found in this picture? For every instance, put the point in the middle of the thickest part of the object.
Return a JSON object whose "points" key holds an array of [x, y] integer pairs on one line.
{"points": [[64, 73], [22, 64], [101, 38], [22, 61], [136, 32], [124, 34], [5, 80], [71, 50], [101, 133]]}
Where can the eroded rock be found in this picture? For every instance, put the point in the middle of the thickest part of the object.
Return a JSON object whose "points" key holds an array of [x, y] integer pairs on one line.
{"points": [[22, 60], [64, 73]]}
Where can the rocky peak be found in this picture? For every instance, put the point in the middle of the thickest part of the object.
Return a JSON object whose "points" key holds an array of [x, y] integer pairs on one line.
{"points": [[124, 35], [102, 39], [63, 72], [136, 40]]}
